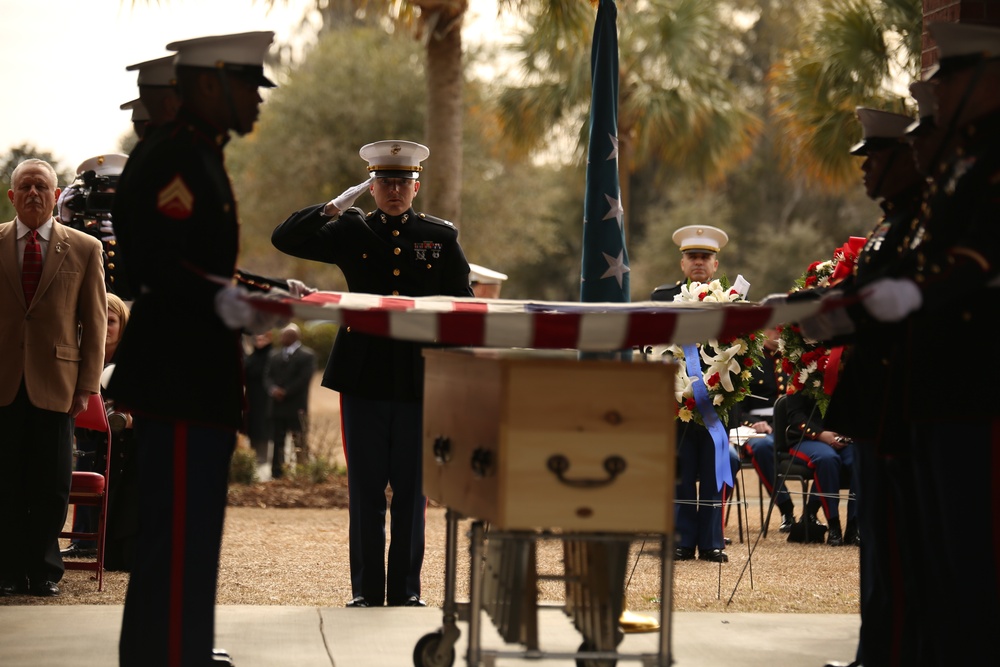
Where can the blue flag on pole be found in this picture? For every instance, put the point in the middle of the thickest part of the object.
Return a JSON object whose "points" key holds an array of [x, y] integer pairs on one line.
{"points": [[605, 261]]}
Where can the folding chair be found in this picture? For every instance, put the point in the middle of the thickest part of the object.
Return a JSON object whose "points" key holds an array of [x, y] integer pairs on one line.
{"points": [[91, 489], [786, 467]]}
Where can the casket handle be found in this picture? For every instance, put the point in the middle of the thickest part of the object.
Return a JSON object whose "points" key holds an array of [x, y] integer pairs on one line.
{"points": [[559, 464], [442, 449], [482, 461]]}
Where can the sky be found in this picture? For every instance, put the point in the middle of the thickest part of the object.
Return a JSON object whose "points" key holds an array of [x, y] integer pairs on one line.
{"points": [[62, 62]]}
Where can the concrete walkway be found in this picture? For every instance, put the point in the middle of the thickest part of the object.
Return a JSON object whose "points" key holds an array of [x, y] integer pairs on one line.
{"points": [[87, 636]]}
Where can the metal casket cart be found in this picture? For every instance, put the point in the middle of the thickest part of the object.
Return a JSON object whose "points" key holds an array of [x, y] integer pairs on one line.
{"points": [[542, 445]]}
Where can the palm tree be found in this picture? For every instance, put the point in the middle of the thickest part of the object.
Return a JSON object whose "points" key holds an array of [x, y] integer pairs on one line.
{"points": [[676, 114], [859, 53]]}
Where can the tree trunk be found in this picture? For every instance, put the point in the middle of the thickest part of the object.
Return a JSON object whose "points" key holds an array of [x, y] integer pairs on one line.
{"points": [[442, 178]]}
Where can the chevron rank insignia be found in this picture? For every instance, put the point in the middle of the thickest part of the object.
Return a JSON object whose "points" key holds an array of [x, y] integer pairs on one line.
{"points": [[175, 200]]}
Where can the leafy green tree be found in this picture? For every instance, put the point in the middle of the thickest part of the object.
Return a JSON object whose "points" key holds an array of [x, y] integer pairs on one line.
{"points": [[857, 53], [304, 151]]}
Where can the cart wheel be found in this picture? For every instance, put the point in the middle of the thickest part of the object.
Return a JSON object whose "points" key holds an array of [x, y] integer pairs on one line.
{"points": [[425, 650], [583, 662]]}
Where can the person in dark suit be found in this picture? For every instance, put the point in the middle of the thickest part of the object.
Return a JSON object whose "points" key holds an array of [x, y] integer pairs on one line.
{"points": [[185, 392], [392, 250], [54, 325], [258, 422], [287, 378]]}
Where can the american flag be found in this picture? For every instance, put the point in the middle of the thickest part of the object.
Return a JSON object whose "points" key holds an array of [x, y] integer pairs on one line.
{"points": [[504, 323]]}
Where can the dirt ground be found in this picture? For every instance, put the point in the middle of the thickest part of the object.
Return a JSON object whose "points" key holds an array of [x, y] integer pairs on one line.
{"points": [[286, 544]]}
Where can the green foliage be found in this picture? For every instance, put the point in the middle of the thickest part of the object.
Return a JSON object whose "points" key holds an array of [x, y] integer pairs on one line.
{"points": [[316, 471], [243, 467], [319, 336]]}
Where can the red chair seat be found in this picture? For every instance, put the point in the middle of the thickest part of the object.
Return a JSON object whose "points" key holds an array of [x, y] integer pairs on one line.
{"points": [[87, 482]]}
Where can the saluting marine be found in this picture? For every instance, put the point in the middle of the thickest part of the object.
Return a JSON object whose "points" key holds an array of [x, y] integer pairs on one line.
{"points": [[392, 250]]}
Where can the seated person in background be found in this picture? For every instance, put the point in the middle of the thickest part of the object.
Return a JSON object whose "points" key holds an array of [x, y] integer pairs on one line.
{"points": [[831, 458], [756, 412]]}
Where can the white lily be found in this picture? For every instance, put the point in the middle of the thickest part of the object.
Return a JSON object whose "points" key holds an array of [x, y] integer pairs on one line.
{"points": [[724, 363], [682, 386]]}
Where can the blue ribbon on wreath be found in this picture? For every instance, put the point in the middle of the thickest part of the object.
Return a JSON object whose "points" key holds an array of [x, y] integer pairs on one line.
{"points": [[692, 361]]}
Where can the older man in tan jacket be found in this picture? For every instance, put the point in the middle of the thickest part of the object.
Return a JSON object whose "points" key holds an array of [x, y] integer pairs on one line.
{"points": [[52, 331]]}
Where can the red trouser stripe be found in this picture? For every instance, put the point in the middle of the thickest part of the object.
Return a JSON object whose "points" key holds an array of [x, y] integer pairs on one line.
{"points": [[175, 615]]}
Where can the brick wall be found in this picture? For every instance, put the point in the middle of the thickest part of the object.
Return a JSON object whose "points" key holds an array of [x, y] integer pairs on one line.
{"points": [[961, 11]]}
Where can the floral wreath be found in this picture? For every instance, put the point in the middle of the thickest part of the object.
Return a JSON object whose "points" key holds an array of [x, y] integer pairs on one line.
{"points": [[808, 365], [726, 364]]}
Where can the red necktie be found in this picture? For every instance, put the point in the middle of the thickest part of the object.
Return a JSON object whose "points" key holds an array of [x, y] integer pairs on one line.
{"points": [[31, 271]]}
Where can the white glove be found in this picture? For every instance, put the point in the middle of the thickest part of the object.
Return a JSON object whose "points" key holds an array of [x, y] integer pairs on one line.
{"points": [[346, 199], [891, 299], [826, 326], [299, 289], [237, 313]]}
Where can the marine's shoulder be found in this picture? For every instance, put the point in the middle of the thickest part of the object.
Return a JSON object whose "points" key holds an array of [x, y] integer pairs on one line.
{"points": [[434, 220]]}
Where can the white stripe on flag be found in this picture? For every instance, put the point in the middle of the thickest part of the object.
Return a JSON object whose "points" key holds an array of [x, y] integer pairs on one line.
{"points": [[602, 331], [511, 330], [414, 325], [698, 326]]}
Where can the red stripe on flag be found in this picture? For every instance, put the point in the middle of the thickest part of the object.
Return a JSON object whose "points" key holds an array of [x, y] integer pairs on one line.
{"points": [[470, 307], [375, 322], [322, 297], [396, 303], [175, 615], [650, 329], [555, 330], [462, 328], [738, 321]]}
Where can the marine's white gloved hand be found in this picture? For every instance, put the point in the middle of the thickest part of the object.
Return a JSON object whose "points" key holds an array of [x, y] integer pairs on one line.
{"points": [[237, 313], [891, 299], [826, 326], [346, 199], [299, 289]]}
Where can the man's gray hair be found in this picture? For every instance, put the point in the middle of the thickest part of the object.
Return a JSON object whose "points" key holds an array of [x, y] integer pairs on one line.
{"points": [[35, 162]]}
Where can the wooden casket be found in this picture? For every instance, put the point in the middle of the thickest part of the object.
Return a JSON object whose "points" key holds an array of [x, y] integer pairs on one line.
{"points": [[530, 439]]}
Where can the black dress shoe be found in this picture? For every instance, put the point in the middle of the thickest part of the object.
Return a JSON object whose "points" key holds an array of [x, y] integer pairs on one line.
{"points": [[414, 601], [684, 553], [851, 535], [834, 538], [714, 555], [76, 551], [787, 521], [44, 589], [13, 588], [854, 663], [359, 601]]}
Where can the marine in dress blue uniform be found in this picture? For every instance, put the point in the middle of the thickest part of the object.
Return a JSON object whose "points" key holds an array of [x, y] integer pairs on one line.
{"points": [[698, 509], [862, 405], [396, 253], [943, 292], [179, 367]]}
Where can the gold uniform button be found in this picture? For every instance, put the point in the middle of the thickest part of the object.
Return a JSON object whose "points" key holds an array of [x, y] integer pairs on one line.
{"points": [[395, 232], [428, 266], [396, 251], [395, 292], [395, 272], [348, 329], [111, 266], [364, 255], [111, 253]]}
